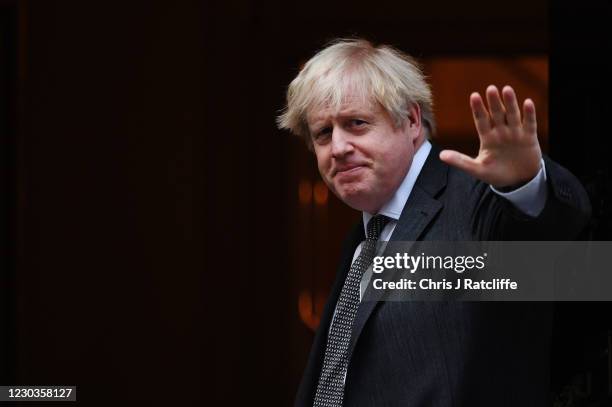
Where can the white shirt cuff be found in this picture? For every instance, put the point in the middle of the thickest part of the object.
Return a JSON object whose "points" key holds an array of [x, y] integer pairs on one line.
{"points": [[531, 197]]}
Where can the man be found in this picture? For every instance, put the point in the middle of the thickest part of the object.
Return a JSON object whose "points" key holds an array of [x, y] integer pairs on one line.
{"points": [[366, 112]]}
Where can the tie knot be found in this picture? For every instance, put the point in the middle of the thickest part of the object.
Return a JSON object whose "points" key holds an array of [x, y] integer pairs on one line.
{"points": [[376, 225]]}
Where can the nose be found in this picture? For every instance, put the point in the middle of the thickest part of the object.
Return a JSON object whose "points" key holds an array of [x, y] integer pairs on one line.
{"points": [[340, 142]]}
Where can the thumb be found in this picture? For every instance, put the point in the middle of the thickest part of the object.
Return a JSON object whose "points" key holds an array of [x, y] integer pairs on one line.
{"points": [[461, 161]]}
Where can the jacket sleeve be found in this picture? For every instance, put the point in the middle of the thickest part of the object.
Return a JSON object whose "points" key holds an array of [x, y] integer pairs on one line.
{"points": [[565, 216]]}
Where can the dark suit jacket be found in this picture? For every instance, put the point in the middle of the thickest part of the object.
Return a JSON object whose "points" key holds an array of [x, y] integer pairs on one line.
{"points": [[430, 354]]}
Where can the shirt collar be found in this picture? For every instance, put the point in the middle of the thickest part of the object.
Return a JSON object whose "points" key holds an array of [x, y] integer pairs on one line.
{"points": [[393, 208]]}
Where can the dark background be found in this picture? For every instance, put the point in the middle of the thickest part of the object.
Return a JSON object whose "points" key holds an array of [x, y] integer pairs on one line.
{"points": [[150, 227]]}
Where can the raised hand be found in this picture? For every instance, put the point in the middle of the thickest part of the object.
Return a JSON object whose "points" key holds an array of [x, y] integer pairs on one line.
{"points": [[509, 154]]}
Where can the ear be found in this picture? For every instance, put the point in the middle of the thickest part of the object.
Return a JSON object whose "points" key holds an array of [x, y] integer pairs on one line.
{"points": [[413, 123], [414, 115]]}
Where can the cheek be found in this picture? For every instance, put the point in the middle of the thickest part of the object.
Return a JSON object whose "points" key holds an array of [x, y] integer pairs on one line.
{"points": [[394, 161], [323, 162]]}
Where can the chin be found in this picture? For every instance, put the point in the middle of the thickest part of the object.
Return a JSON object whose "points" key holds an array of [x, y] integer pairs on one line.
{"points": [[359, 200]]}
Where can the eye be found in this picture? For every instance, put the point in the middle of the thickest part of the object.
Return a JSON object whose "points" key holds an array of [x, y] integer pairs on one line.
{"points": [[357, 122], [320, 136], [324, 131]]}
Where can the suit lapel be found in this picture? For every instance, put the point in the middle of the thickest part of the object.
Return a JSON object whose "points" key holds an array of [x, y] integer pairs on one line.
{"points": [[419, 211]]}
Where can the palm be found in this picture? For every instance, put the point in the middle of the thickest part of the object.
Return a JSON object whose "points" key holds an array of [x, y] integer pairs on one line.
{"points": [[509, 152]]}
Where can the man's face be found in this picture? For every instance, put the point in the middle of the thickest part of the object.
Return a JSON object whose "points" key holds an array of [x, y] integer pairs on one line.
{"points": [[361, 155]]}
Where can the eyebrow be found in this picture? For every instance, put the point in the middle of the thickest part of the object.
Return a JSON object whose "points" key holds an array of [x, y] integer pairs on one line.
{"points": [[343, 114]]}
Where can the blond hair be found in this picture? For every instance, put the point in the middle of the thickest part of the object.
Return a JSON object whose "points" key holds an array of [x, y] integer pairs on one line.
{"points": [[356, 68]]}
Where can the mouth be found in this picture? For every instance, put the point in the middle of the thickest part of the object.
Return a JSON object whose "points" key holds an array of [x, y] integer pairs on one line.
{"points": [[348, 170]]}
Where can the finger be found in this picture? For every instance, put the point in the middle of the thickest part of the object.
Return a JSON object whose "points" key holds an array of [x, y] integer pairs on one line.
{"points": [[461, 161], [530, 123], [496, 107], [482, 121], [513, 114]]}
